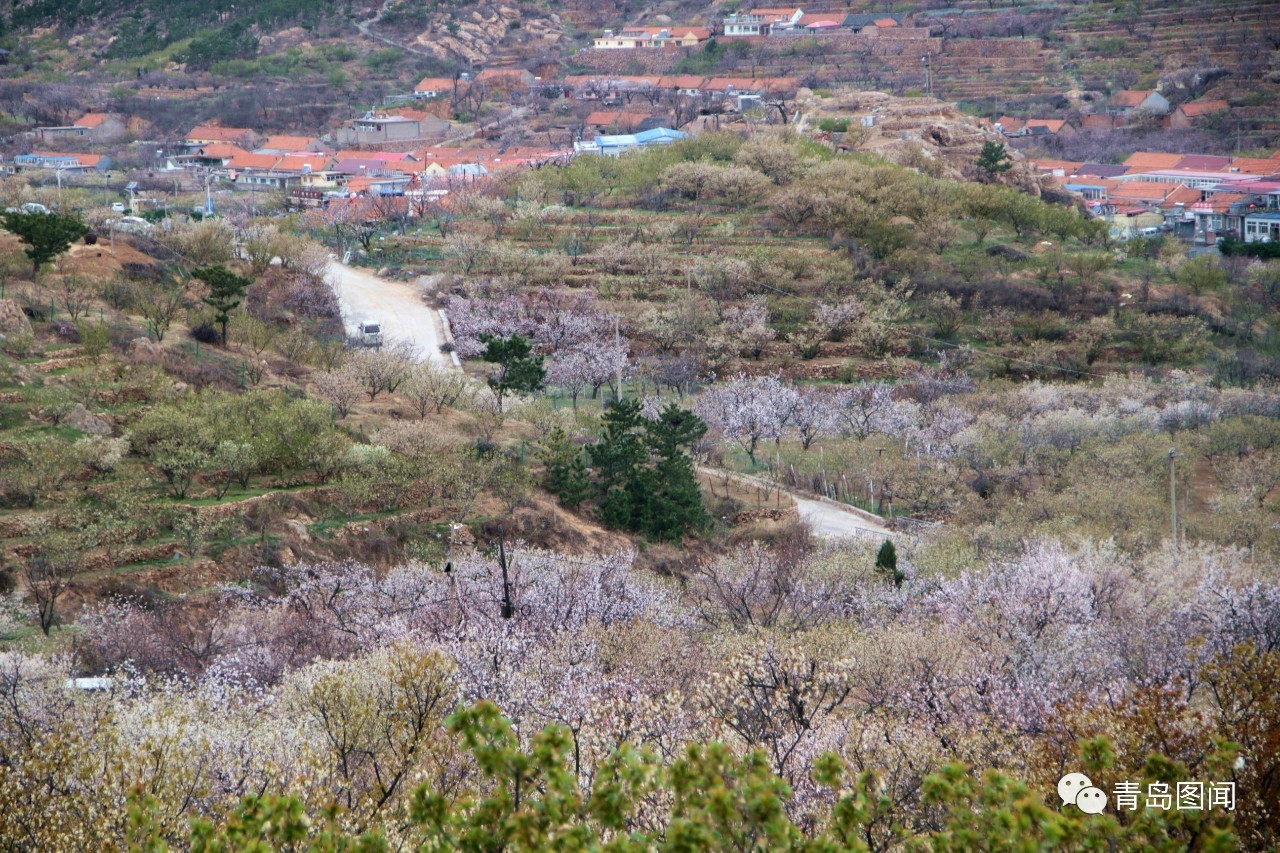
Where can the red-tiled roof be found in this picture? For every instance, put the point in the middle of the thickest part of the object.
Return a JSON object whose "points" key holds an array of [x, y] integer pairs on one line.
{"points": [[1254, 166], [1183, 195], [681, 81], [436, 84], [1143, 191], [301, 162], [254, 161], [91, 120], [885, 22], [1195, 109], [287, 143], [1147, 160], [1130, 97]]}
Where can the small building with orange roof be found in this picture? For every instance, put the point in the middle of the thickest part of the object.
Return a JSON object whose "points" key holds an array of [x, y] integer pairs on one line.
{"points": [[1194, 113]]}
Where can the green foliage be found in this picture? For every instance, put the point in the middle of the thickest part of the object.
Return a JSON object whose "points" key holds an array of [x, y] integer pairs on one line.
{"points": [[993, 159], [834, 125], [229, 437], [887, 563], [567, 477], [519, 371], [95, 339], [213, 46], [1232, 247], [645, 479], [226, 290], [47, 235]]}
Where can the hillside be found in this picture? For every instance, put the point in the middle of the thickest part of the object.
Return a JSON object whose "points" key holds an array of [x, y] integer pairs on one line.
{"points": [[661, 443]]}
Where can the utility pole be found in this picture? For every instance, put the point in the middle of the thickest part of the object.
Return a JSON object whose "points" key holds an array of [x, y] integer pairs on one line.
{"points": [[1173, 495], [928, 74]]}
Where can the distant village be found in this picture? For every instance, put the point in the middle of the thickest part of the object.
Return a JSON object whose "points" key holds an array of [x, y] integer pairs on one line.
{"points": [[406, 147]]}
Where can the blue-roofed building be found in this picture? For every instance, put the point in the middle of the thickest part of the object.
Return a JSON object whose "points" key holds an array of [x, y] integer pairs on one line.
{"points": [[615, 144]]}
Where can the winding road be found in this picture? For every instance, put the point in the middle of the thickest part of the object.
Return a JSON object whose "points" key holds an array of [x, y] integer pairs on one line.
{"points": [[396, 305], [406, 317]]}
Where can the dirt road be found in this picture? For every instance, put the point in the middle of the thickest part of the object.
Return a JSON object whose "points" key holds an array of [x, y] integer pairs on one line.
{"points": [[396, 305], [828, 518]]}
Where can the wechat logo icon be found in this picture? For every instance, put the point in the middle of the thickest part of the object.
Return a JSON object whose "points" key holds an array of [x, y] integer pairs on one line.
{"points": [[1075, 788]]}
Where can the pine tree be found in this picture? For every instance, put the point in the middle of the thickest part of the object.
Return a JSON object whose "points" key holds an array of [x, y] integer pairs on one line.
{"points": [[993, 159], [672, 498], [226, 290], [617, 457], [567, 476], [47, 235], [519, 370]]}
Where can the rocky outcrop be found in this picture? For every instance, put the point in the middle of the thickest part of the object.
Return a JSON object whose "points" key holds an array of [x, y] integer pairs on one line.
{"points": [[12, 321], [476, 34], [924, 133], [87, 422]]}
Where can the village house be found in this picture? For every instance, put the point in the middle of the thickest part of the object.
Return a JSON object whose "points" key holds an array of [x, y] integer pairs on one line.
{"points": [[507, 79], [615, 145], [632, 38], [621, 121], [1134, 102], [1194, 113], [207, 134], [90, 127], [761, 22], [63, 161], [1262, 227], [438, 87], [382, 129], [215, 155], [1018, 127]]}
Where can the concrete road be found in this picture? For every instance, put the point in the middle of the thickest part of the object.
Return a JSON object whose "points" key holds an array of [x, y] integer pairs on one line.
{"points": [[394, 304], [828, 518]]}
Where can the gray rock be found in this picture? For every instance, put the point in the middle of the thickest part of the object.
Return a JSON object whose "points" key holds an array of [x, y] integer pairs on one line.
{"points": [[83, 420], [12, 320]]}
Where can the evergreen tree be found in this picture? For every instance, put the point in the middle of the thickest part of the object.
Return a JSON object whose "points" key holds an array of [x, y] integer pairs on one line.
{"points": [[47, 235], [519, 371], [567, 476], [887, 563], [617, 457], [226, 290], [672, 498], [993, 159]]}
